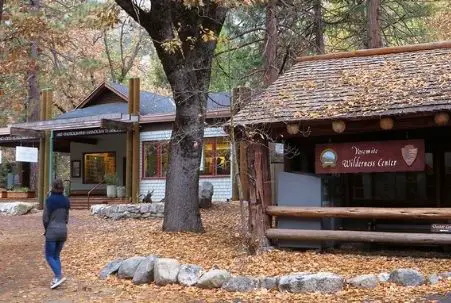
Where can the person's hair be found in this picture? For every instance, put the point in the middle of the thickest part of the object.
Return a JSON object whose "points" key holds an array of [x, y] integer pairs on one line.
{"points": [[57, 186]]}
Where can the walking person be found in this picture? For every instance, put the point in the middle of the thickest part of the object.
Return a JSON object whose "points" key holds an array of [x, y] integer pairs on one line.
{"points": [[55, 218]]}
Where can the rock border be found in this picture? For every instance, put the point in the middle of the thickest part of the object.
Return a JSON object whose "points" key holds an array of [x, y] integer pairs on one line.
{"points": [[165, 271], [128, 211]]}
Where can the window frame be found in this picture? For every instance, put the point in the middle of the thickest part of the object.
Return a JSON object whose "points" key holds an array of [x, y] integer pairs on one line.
{"points": [[83, 173], [215, 157], [159, 159]]}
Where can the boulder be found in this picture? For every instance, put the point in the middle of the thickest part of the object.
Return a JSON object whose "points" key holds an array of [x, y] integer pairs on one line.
{"points": [[434, 279], [189, 274], [323, 282], [166, 271], [269, 283], [364, 281], [406, 277], [241, 284], [205, 195], [145, 271], [98, 209], [128, 267], [214, 278], [110, 268], [383, 277], [16, 208]]}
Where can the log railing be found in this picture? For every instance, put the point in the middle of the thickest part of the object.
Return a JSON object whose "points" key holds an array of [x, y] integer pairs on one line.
{"points": [[357, 236], [431, 214], [361, 212]]}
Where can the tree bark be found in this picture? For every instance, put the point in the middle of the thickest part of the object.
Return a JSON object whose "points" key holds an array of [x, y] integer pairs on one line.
{"points": [[1, 10], [271, 41], [318, 26], [180, 36], [374, 27]]}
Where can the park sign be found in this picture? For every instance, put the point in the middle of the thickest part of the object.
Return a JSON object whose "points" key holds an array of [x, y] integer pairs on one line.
{"points": [[368, 157], [26, 154]]}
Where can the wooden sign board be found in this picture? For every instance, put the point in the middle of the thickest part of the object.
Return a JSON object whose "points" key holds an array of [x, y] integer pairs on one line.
{"points": [[366, 157], [441, 228]]}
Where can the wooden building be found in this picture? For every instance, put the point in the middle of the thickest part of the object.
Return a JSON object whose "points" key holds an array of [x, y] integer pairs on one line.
{"points": [[96, 135], [374, 126]]}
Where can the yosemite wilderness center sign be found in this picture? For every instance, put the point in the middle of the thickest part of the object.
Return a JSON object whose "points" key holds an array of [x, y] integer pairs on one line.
{"points": [[365, 157]]}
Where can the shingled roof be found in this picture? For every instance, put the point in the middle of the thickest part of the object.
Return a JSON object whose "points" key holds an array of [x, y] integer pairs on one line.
{"points": [[357, 85]]}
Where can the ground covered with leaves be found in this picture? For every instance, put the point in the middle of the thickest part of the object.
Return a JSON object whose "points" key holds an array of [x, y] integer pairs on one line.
{"points": [[93, 242]]}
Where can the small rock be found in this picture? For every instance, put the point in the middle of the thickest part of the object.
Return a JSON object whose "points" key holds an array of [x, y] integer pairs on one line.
{"points": [[189, 274], [383, 277], [214, 278], [290, 282], [145, 271], [110, 268], [240, 284], [434, 279], [269, 283], [445, 275], [364, 281], [128, 267], [406, 277], [166, 271], [324, 282]]}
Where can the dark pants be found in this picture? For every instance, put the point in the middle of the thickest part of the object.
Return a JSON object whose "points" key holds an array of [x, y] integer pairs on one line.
{"points": [[52, 255]]}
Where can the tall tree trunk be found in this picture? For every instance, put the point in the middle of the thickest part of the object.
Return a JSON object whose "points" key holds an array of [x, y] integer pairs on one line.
{"points": [[271, 41], [186, 58], [374, 27], [1, 10], [318, 27], [33, 91]]}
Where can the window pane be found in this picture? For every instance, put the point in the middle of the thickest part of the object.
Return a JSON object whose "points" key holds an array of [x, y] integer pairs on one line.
{"points": [[209, 158], [223, 157], [97, 165], [150, 160]]}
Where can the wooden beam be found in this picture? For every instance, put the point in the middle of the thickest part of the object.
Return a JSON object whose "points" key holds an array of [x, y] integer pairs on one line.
{"points": [[114, 124], [48, 123], [24, 132], [361, 212], [357, 236], [378, 51]]}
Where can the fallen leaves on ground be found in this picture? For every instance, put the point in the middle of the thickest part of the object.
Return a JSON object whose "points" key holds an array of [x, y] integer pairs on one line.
{"points": [[95, 242]]}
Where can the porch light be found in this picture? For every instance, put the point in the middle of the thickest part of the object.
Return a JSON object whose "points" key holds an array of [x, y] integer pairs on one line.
{"points": [[338, 126], [386, 123], [441, 119], [293, 128]]}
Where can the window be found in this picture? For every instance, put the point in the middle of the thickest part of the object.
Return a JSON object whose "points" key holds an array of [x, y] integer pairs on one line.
{"points": [[97, 165], [215, 158], [155, 155]]}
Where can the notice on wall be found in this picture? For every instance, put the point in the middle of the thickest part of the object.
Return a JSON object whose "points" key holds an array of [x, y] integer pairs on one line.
{"points": [[366, 157], [26, 154]]}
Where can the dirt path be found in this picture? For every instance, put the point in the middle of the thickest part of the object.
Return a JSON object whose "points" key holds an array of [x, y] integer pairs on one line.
{"points": [[25, 276]]}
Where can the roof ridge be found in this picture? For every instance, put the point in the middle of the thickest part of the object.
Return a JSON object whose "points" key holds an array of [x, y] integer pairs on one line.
{"points": [[378, 51]]}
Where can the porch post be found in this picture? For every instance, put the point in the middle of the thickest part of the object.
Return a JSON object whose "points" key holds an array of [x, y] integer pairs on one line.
{"points": [[42, 141], [136, 142], [129, 146]]}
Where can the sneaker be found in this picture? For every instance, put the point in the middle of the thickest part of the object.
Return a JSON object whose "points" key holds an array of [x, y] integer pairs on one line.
{"points": [[57, 283], [53, 281]]}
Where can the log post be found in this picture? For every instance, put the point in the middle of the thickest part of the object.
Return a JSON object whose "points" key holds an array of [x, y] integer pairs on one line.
{"points": [[260, 194], [135, 141], [42, 143], [129, 145]]}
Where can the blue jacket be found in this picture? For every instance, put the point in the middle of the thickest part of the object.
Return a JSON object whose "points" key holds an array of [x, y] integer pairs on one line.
{"points": [[56, 217]]}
